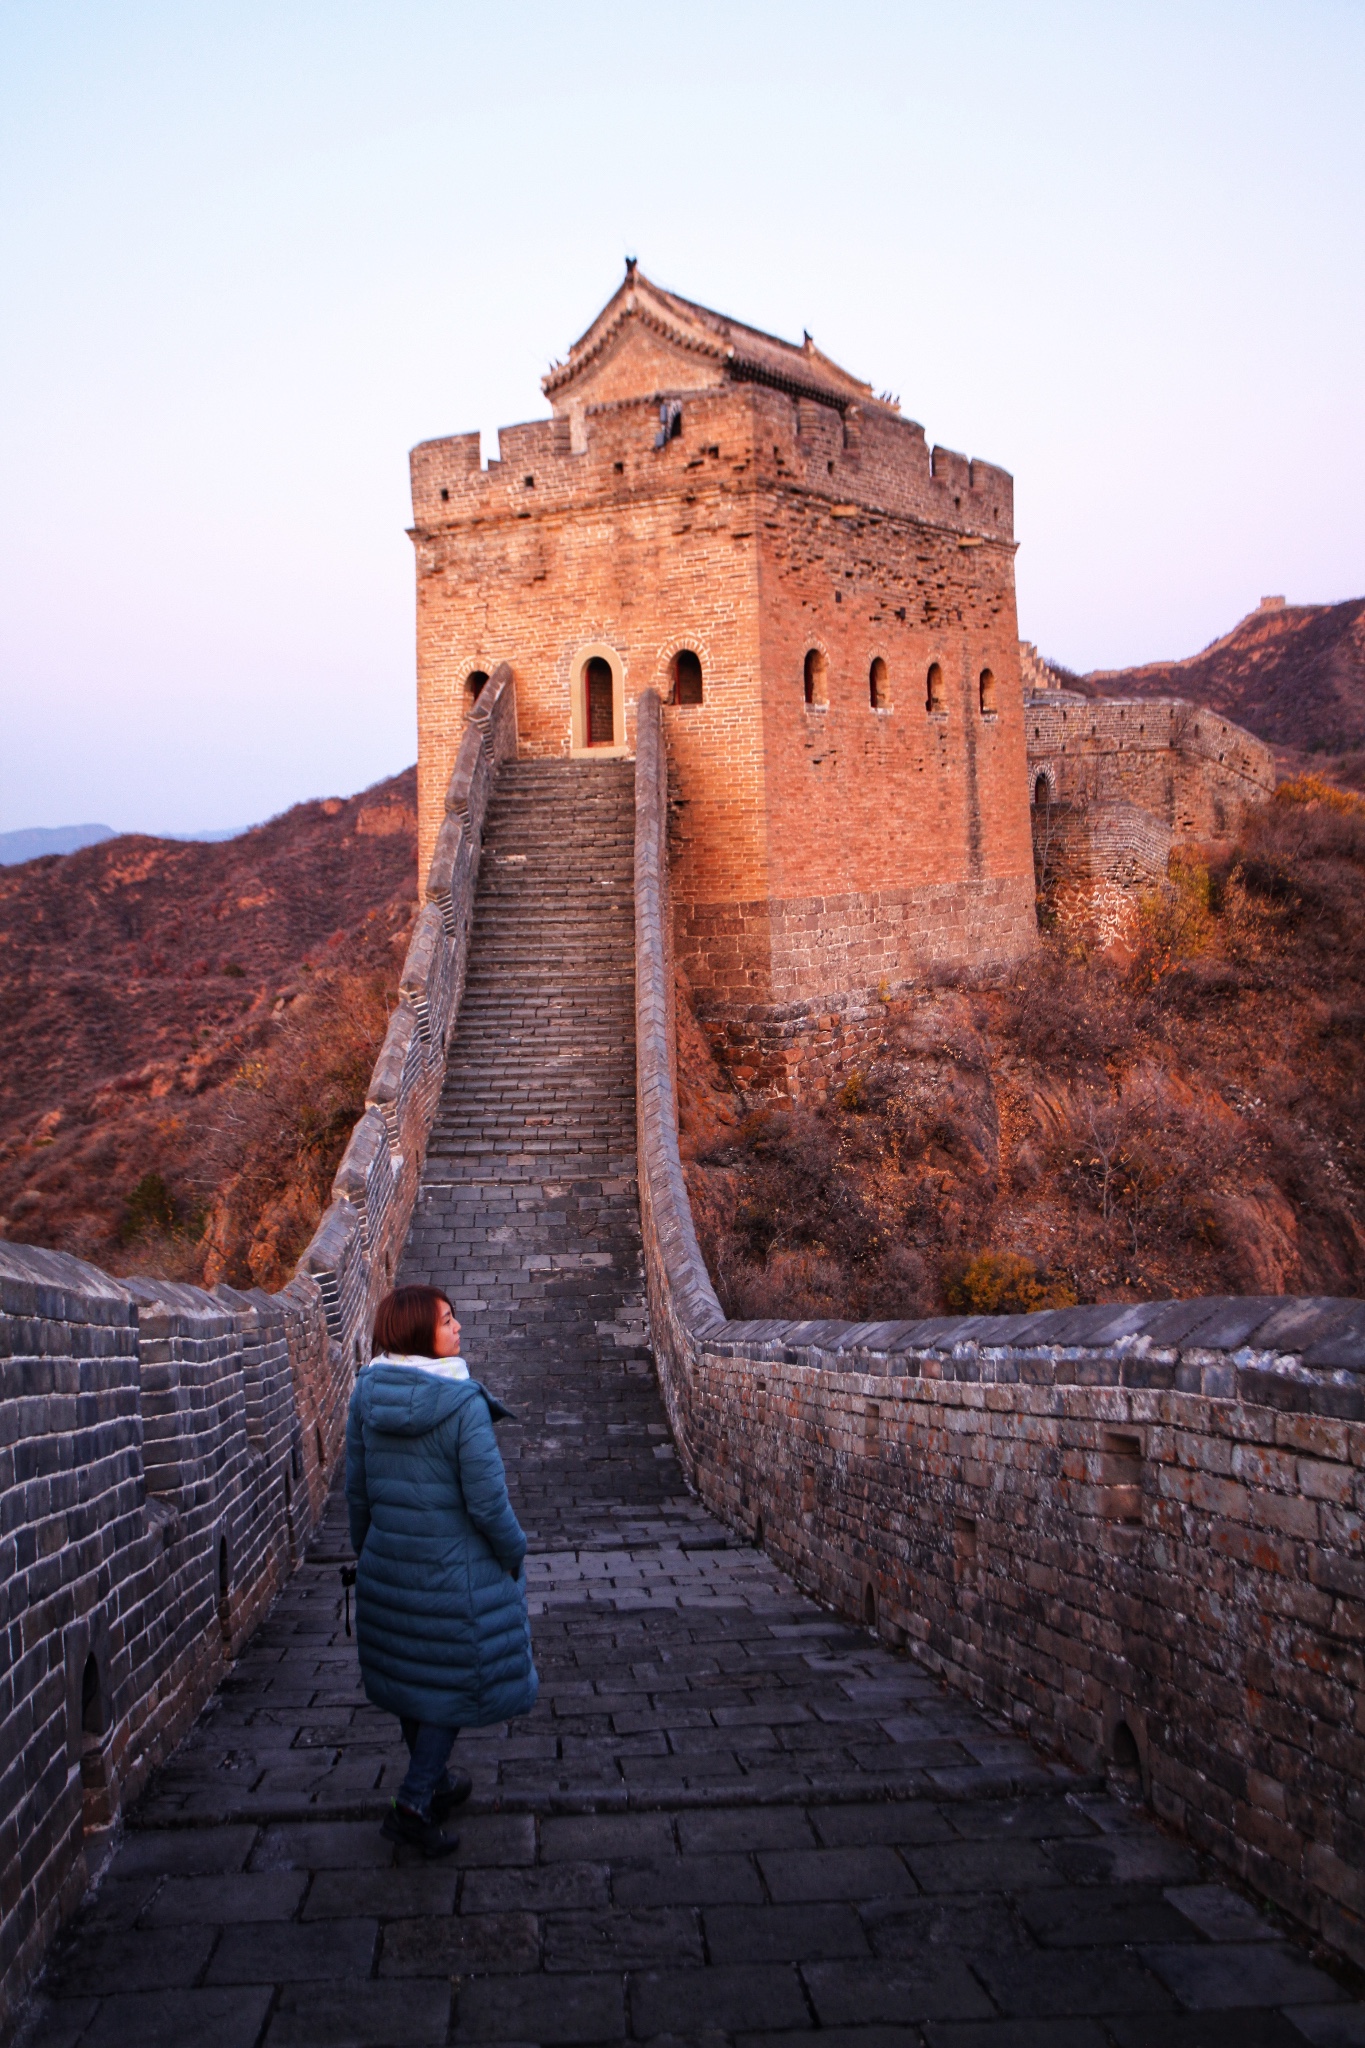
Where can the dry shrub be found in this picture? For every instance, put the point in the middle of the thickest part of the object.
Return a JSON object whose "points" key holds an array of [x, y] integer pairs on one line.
{"points": [[1148, 1158], [1003, 1284], [1067, 1010], [1312, 789], [284, 1125], [1175, 922]]}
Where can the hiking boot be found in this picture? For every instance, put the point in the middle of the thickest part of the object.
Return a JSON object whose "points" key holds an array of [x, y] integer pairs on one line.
{"points": [[447, 1797], [401, 1824]]}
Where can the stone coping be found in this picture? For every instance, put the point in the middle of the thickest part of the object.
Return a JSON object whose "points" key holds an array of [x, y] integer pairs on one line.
{"points": [[1301, 1352]]}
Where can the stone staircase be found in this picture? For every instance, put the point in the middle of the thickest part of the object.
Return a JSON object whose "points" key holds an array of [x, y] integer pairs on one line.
{"points": [[529, 1209]]}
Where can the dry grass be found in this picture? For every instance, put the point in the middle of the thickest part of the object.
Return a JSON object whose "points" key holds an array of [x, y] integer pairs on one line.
{"points": [[1185, 1118]]}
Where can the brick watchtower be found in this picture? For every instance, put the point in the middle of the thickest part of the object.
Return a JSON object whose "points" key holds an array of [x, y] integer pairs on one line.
{"points": [[827, 608]]}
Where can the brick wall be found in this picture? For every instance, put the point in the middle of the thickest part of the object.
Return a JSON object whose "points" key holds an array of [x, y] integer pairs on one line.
{"points": [[1194, 771], [819, 850], [1144, 1519], [165, 1452]]}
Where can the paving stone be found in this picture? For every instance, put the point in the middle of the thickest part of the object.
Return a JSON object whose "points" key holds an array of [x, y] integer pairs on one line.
{"points": [[618, 1838], [1218, 1913], [1073, 1981], [273, 1954], [1090, 1917], [1019, 1820], [745, 1828], [769, 1934], [555, 1887], [55, 2023], [542, 2009], [923, 1987], [323, 1845], [727, 1996], [330, 2015], [1053, 2033], [217, 1901], [646, 1936], [836, 2037], [901, 1927], [867, 1873], [416, 1887], [990, 1866], [1225, 1974], [1206, 2030], [908, 1821], [474, 1945], [171, 2018], [1143, 1857], [688, 1881], [183, 1852], [132, 1960], [1328, 2026]]}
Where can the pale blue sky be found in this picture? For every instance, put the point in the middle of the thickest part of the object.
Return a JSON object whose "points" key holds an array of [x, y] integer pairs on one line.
{"points": [[252, 252]]}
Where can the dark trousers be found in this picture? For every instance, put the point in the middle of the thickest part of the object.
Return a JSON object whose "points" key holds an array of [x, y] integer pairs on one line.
{"points": [[428, 1752]]}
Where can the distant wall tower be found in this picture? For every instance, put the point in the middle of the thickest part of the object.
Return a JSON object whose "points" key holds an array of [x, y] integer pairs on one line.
{"points": [[827, 608]]}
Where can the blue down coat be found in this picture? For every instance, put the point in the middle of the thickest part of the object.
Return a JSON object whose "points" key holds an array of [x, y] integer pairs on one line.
{"points": [[441, 1587]]}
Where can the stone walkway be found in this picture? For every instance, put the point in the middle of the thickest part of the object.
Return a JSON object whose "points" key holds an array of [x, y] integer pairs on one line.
{"points": [[731, 1818]]}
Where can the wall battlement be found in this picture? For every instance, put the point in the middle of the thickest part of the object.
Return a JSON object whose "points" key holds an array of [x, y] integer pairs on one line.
{"points": [[732, 439]]}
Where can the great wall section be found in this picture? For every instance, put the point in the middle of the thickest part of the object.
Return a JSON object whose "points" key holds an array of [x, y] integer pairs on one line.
{"points": [[1129, 1534]]}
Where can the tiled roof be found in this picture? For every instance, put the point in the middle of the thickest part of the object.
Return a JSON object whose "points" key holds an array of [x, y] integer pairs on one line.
{"points": [[746, 353]]}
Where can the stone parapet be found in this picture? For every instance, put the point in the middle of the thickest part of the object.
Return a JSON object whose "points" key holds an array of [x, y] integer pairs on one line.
{"points": [[1136, 1531], [165, 1452]]}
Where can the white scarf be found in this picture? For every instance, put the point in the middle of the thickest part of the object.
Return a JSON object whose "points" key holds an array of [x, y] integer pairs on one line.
{"points": [[444, 1368]]}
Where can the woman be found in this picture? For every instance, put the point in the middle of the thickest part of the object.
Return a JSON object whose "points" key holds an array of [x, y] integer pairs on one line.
{"points": [[445, 1642]]}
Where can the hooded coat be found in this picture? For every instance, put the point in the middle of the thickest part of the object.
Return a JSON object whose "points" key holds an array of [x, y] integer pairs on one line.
{"points": [[441, 1616]]}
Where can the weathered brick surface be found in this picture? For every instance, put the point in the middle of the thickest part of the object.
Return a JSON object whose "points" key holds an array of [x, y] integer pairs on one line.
{"points": [[822, 849], [1196, 772], [1146, 1518]]}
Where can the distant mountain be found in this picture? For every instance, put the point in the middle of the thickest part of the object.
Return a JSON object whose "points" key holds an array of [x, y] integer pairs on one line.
{"points": [[154, 992], [1294, 674], [36, 840]]}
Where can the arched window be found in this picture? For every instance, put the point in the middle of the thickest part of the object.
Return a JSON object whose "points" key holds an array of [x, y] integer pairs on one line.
{"points": [[686, 677], [879, 685], [474, 682], [987, 689], [935, 698], [600, 727], [816, 677], [1042, 793]]}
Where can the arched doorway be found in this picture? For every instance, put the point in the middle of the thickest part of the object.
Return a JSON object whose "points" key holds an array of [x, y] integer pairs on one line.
{"points": [[599, 726]]}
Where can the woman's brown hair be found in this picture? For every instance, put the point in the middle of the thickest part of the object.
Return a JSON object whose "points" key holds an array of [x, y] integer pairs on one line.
{"points": [[405, 1322]]}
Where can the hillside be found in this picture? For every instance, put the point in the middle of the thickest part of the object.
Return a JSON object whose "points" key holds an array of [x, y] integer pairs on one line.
{"points": [[1292, 674], [1185, 1118], [186, 1031]]}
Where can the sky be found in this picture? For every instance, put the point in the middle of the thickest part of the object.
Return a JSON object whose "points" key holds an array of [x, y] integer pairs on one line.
{"points": [[251, 253]]}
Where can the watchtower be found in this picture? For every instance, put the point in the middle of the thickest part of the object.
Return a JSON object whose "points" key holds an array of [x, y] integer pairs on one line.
{"points": [[827, 608]]}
